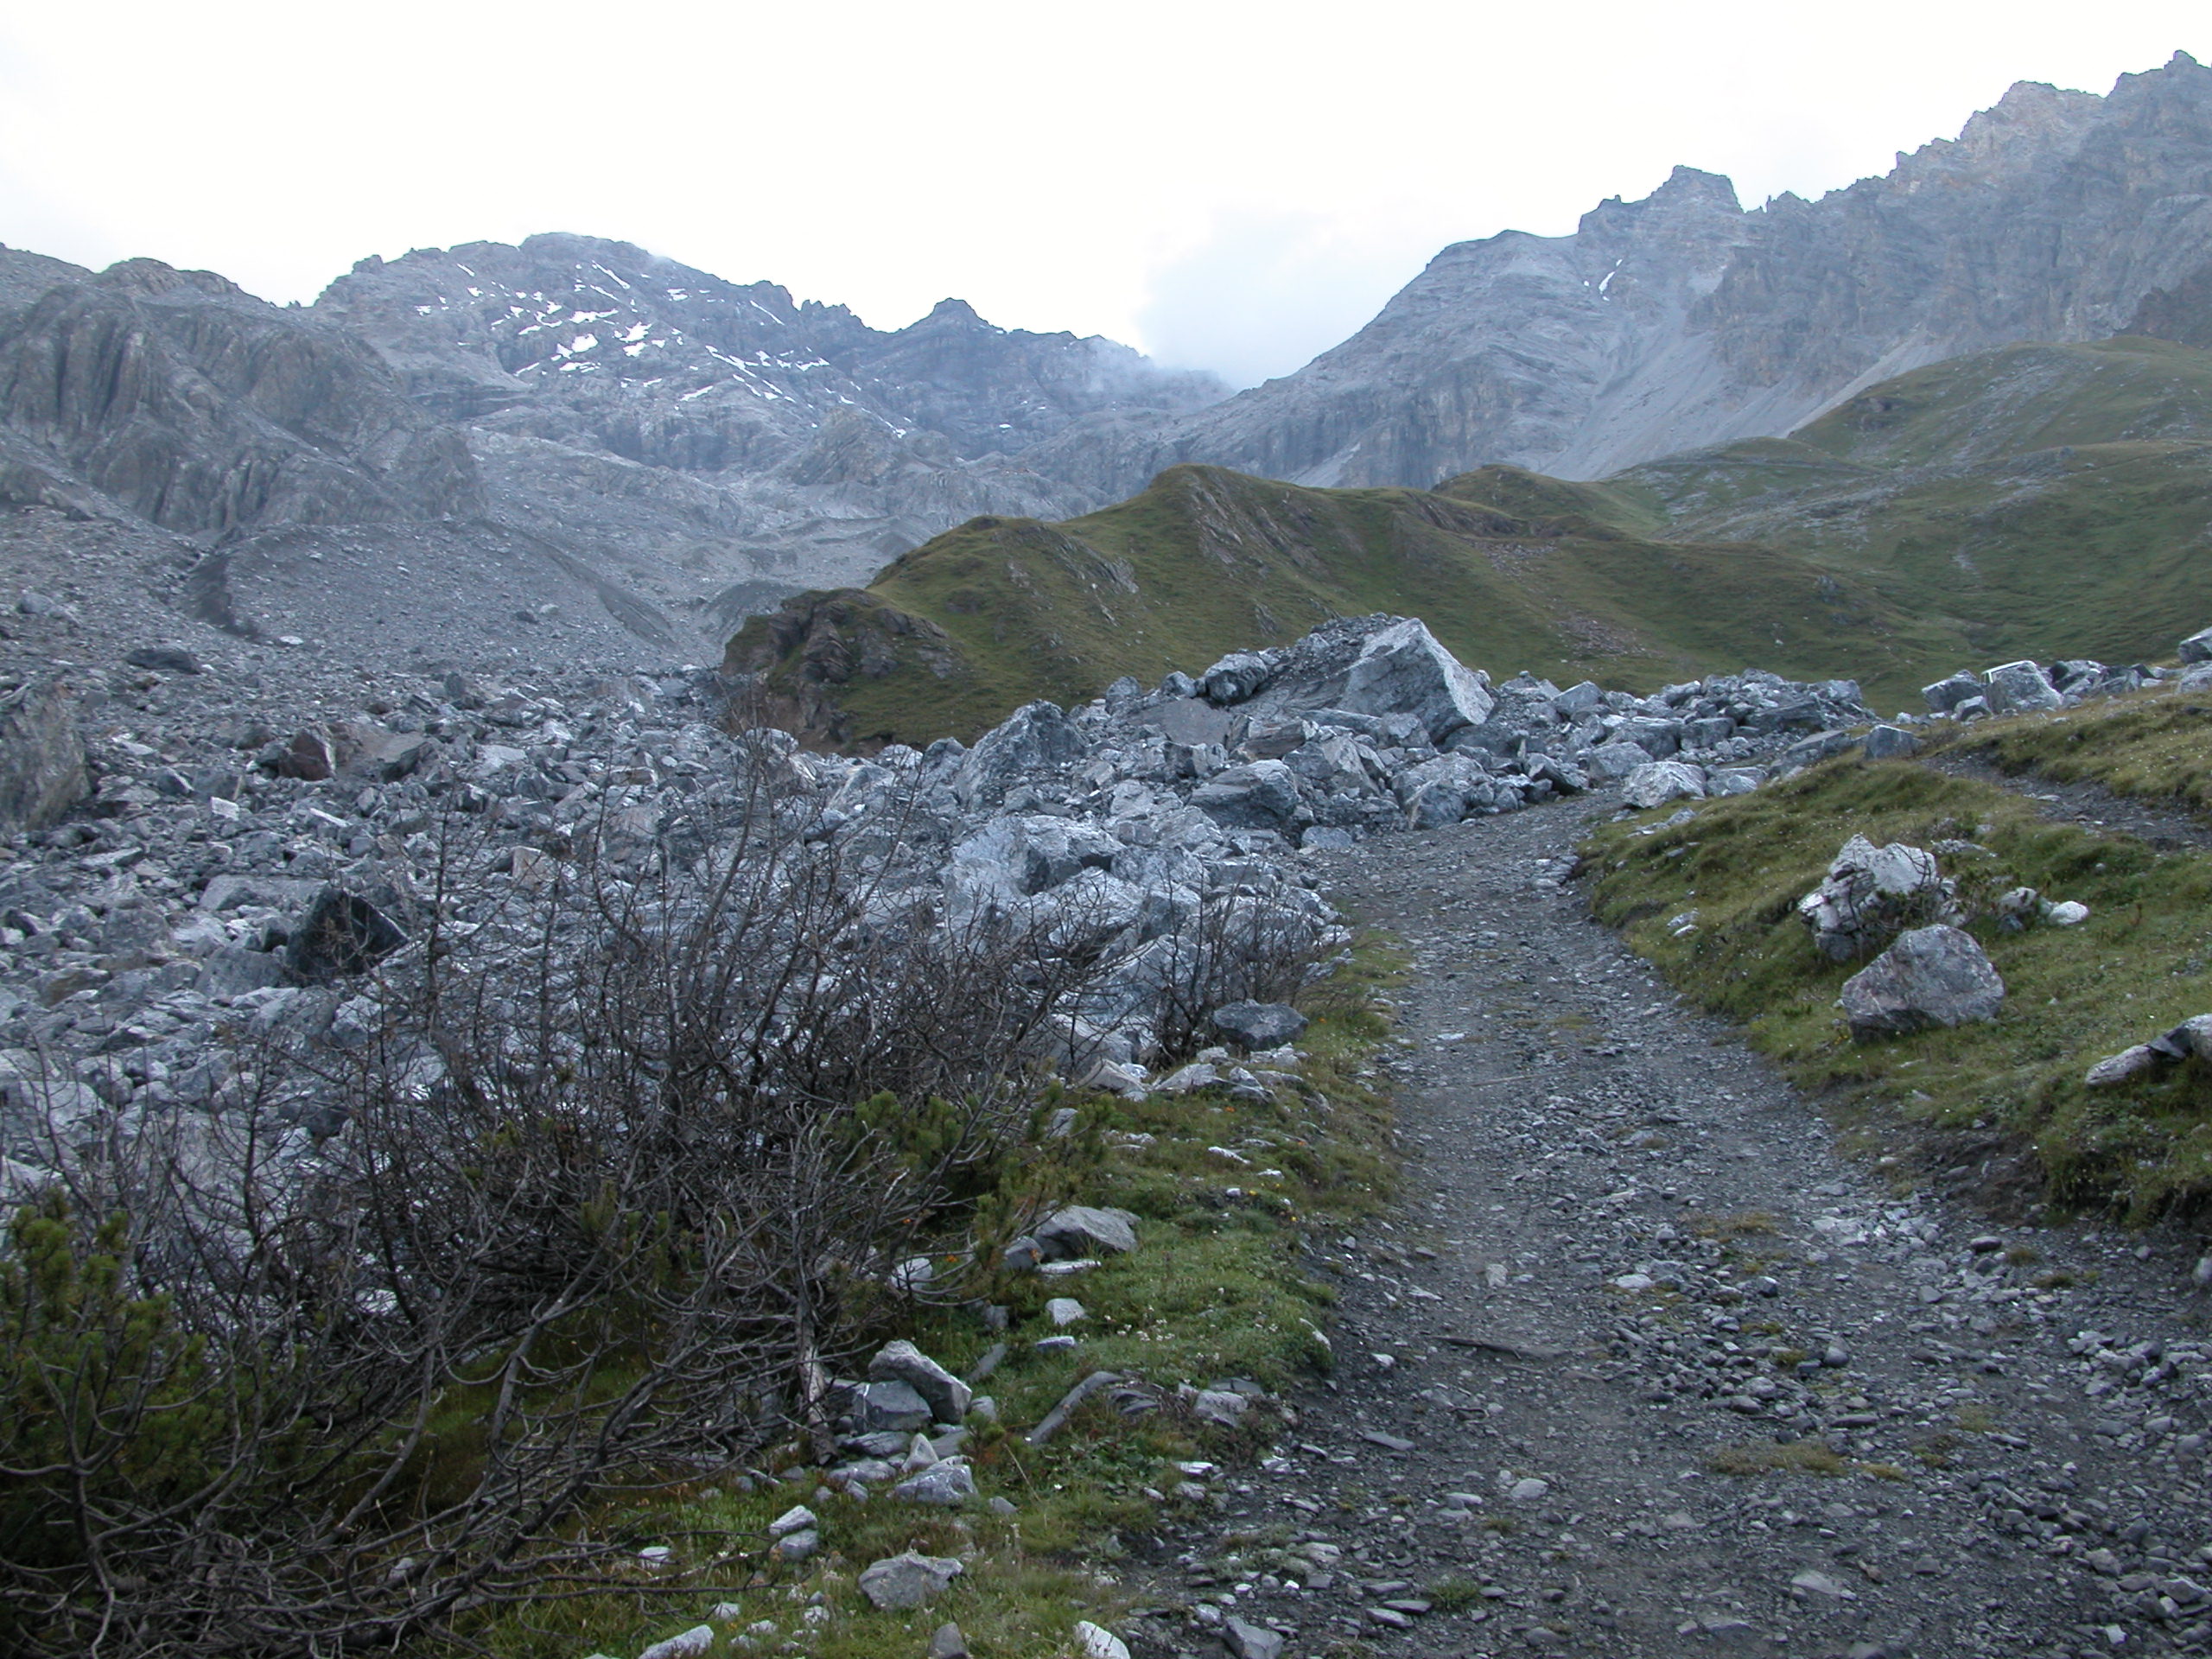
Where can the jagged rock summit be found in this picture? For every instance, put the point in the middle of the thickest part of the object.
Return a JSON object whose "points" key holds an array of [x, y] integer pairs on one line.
{"points": [[1683, 319]]}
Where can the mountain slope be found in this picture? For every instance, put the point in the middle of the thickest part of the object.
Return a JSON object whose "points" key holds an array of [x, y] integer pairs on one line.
{"points": [[2040, 500], [747, 439], [1000, 611], [1681, 320]]}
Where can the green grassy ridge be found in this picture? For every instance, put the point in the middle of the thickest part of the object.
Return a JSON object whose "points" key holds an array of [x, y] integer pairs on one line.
{"points": [[2141, 963], [2038, 500], [2153, 746], [1218, 1288], [1207, 560], [2035, 501]]}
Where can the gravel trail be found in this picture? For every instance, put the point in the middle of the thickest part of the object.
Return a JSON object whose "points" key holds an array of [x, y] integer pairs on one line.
{"points": [[1627, 1259]]}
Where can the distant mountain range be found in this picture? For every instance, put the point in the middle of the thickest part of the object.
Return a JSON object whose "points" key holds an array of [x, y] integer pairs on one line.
{"points": [[700, 449], [1681, 320]]}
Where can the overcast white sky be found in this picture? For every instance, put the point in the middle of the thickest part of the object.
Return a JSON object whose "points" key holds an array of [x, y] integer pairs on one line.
{"points": [[1231, 184]]}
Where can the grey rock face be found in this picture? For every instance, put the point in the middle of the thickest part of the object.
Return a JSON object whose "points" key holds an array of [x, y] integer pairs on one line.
{"points": [[2198, 648], [891, 1406], [1261, 796], [1660, 781], [946, 1485], [42, 772], [1937, 975]]}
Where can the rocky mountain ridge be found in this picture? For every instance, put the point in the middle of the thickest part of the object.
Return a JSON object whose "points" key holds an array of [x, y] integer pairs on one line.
{"points": [[689, 447], [1683, 319]]}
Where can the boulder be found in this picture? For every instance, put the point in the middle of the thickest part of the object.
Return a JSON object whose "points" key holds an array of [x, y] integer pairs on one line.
{"points": [[1096, 1642], [1236, 678], [1080, 1230], [1946, 694], [2021, 688], [1402, 670], [167, 658], [1261, 796], [1259, 1025], [694, 1644], [947, 1396], [343, 934], [946, 1485], [43, 771], [2193, 1037], [1438, 793], [2198, 648], [1937, 975], [898, 1582], [1038, 737], [1657, 782], [887, 1407], [1891, 743], [1870, 893], [1613, 759], [1249, 1641]]}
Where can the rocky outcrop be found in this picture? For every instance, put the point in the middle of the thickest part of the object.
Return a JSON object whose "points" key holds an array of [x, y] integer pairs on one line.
{"points": [[43, 771], [194, 406], [1681, 320]]}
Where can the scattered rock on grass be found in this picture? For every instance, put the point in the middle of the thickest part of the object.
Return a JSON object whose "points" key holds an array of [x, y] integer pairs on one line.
{"points": [[1937, 975], [898, 1582]]}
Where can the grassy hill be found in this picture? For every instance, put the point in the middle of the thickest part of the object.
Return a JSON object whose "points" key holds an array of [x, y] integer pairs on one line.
{"points": [[2039, 501]]}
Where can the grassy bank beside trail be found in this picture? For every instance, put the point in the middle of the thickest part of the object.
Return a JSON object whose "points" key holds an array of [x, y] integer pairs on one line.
{"points": [[2154, 745], [1711, 902], [1226, 1193]]}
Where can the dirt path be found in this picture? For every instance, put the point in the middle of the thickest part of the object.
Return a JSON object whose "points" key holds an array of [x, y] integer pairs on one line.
{"points": [[1627, 1259]]}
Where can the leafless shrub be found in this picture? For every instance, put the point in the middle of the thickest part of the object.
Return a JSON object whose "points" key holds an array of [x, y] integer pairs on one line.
{"points": [[630, 1162]]}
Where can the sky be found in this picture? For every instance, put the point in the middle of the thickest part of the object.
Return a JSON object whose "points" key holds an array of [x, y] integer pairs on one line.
{"points": [[1228, 184]]}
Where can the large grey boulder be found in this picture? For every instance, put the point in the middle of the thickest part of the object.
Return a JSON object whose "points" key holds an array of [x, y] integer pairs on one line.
{"points": [[1613, 759], [1259, 1025], [1261, 796], [902, 1361], [2198, 648], [898, 1582], [1870, 893], [890, 1406], [1439, 791], [1082, 1229], [1887, 742], [343, 934], [1936, 976], [946, 1485], [2021, 688], [1658, 782], [1946, 694], [1403, 670], [43, 771], [1236, 678], [1034, 739]]}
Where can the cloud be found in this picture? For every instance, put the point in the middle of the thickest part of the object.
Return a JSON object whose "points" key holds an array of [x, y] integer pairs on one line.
{"points": [[1261, 293]]}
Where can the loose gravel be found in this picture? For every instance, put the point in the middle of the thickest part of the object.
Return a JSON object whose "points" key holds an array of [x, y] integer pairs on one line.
{"points": [[1644, 1364]]}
